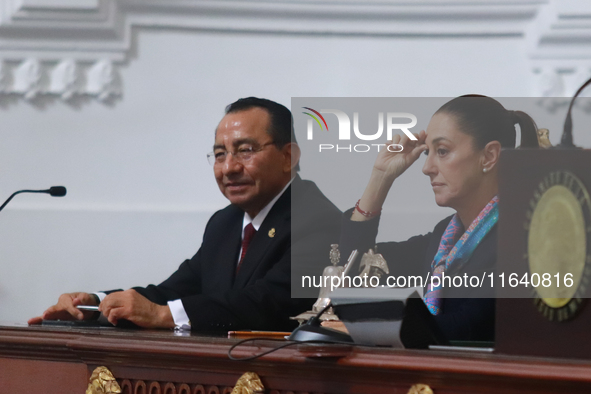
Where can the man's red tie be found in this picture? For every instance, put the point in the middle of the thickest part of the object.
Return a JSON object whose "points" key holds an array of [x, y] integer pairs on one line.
{"points": [[249, 232]]}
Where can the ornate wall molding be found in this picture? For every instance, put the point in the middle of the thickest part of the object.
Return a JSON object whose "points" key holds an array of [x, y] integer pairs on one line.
{"points": [[560, 49], [562, 31], [555, 83], [69, 48], [66, 79]]}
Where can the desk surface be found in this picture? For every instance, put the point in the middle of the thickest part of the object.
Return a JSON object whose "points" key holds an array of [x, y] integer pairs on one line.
{"points": [[201, 360]]}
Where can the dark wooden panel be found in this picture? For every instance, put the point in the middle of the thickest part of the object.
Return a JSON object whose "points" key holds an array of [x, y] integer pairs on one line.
{"points": [[37, 376]]}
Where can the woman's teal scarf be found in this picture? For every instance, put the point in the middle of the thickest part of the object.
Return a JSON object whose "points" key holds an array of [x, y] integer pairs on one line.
{"points": [[456, 248]]}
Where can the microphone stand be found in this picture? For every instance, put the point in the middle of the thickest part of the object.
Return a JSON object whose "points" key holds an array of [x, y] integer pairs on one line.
{"points": [[566, 140], [55, 191]]}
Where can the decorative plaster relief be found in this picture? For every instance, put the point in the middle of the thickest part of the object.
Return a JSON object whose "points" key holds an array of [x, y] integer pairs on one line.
{"points": [[103, 82], [555, 85], [68, 48], [66, 79], [27, 78], [3, 78]]}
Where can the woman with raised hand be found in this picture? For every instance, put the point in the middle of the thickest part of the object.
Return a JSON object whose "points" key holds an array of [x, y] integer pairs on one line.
{"points": [[463, 143]]}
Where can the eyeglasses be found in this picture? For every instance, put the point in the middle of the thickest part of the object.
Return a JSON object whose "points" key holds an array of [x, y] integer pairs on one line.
{"points": [[241, 155]]}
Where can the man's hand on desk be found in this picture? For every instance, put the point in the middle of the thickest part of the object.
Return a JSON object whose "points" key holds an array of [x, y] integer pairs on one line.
{"points": [[65, 309], [129, 305], [132, 306]]}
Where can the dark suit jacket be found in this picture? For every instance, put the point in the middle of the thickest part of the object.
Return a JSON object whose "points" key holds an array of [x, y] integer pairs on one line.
{"points": [[467, 314], [259, 296]]}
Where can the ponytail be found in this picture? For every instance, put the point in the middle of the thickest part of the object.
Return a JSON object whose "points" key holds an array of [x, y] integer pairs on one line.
{"points": [[529, 130], [485, 119]]}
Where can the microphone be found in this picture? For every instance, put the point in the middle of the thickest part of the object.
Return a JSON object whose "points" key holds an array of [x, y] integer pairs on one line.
{"points": [[566, 140], [54, 191]]}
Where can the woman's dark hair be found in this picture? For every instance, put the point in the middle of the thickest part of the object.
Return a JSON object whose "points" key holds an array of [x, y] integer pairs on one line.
{"points": [[485, 119]]}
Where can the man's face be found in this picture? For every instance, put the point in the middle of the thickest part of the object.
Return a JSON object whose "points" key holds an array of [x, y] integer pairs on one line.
{"points": [[250, 184]]}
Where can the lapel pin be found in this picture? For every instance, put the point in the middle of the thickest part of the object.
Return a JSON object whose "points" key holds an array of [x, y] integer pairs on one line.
{"points": [[272, 233]]}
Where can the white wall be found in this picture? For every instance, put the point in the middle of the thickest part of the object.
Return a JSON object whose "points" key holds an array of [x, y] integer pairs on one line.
{"points": [[140, 189]]}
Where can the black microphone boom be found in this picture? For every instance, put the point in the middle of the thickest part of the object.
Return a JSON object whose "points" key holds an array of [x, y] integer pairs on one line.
{"points": [[567, 134], [54, 191]]}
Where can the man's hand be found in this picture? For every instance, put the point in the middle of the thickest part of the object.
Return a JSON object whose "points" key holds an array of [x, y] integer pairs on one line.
{"points": [[65, 309], [132, 306]]}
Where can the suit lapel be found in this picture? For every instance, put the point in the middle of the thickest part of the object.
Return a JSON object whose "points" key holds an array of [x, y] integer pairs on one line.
{"points": [[276, 226], [225, 267]]}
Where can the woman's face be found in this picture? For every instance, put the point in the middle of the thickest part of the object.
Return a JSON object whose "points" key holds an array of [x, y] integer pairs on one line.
{"points": [[453, 163]]}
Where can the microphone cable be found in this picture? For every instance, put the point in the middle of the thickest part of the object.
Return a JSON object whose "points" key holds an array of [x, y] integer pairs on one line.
{"points": [[290, 343]]}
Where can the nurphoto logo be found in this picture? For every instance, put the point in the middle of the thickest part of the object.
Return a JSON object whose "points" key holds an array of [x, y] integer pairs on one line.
{"points": [[393, 122]]}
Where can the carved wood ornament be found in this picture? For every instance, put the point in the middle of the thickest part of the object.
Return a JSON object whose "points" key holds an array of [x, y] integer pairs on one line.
{"points": [[420, 389], [102, 381], [249, 383]]}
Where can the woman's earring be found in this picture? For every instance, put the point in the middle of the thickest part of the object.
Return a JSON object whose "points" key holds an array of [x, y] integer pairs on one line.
{"points": [[484, 170]]}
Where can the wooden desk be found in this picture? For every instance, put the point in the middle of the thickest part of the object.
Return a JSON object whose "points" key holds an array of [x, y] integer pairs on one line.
{"points": [[60, 360]]}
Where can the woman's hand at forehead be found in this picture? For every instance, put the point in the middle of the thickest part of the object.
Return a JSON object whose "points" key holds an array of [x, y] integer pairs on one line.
{"points": [[393, 163], [389, 165]]}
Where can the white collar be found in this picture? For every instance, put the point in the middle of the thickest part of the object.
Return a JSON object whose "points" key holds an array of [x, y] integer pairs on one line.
{"points": [[260, 217]]}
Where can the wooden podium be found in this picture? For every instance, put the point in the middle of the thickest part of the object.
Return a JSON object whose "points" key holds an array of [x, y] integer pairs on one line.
{"points": [[544, 228], [60, 360]]}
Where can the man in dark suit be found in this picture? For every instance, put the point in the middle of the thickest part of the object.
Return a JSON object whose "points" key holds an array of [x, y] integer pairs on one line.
{"points": [[241, 276]]}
